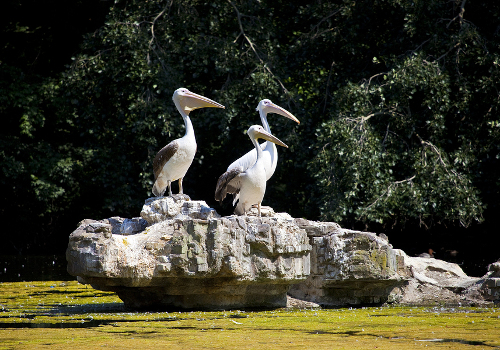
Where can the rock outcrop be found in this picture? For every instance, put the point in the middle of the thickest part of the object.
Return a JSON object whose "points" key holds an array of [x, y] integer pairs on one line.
{"points": [[192, 258], [349, 267], [433, 282], [490, 288], [181, 254]]}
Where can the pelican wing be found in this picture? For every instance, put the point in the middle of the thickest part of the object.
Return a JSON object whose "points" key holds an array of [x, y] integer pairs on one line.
{"points": [[229, 182], [246, 161], [164, 156]]}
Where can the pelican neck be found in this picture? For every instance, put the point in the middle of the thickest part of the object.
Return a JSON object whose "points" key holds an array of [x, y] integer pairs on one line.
{"points": [[187, 120], [263, 119]]}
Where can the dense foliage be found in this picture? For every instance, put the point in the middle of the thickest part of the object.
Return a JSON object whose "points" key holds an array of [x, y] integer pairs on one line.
{"points": [[398, 102], [411, 140]]}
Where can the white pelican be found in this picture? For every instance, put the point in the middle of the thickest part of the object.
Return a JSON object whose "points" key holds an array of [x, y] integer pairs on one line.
{"points": [[174, 160], [270, 153], [249, 184]]}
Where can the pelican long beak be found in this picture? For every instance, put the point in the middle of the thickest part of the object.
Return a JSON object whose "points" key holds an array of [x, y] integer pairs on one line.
{"points": [[272, 108], [191, 101], [267, 136]]}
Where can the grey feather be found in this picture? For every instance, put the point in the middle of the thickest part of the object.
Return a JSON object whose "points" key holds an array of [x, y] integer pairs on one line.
{"points": [[229, 182]]}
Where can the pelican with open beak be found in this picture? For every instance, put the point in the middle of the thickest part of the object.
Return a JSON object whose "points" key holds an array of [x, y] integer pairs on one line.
{"points": [[249, 184], [173, 161]]}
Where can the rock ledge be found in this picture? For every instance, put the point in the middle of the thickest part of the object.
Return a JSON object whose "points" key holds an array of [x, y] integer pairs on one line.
{"points": [[191, 258], [180, 254]]}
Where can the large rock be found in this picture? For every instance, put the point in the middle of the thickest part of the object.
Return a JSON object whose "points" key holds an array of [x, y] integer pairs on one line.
{"points": [[186, 262], [361, 268], [490, 287], [182, 254], [436, 282], [348, 267]]}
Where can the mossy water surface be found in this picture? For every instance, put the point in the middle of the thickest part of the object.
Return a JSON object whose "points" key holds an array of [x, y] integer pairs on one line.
{"points": [[58, 315]]}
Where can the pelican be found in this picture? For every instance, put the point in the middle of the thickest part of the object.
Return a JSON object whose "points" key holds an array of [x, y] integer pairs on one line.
{"points": [[249, 184], [270, 153], [174, 160]]}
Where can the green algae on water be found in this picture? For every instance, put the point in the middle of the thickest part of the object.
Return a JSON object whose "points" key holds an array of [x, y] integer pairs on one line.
{"points": [[67, 314]]}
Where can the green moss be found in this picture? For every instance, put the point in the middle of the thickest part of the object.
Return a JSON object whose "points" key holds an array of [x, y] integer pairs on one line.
{"points": [[67, 314], [379, 259]]}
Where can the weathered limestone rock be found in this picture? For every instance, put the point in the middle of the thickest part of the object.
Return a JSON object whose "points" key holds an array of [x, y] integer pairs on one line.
{"points": [[163, 208], [358, 268], [113, 226], [490, 288], [186, 262], [436, 282], [182, 254], [348, 267]]}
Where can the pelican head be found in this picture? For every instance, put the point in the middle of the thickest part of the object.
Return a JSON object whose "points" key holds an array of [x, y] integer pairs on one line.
{"points": [[267, 106], [189, 101], [257, 132]]}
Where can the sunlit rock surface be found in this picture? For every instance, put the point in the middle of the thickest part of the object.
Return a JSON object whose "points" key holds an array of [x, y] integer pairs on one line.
{"points": [[348, 267], [361, 268], [181, 254], [183, 261], [164, 208], [437, 282], [490, 288]]}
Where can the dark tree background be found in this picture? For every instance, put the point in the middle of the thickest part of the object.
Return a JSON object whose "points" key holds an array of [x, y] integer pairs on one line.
{"points": [[398, 102]]}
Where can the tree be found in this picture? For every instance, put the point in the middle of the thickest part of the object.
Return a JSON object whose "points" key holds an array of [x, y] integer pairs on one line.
{"points": [[407, 143], [398, 102], [39, 185]]}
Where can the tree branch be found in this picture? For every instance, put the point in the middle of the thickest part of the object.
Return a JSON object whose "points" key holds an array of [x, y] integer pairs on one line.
{"points": [[316, 27], [447, 52], [373, 76], [328, 85], [364, 119], [252, 46], [460, 15], [153, 28], [446, 166], [387, 192]]}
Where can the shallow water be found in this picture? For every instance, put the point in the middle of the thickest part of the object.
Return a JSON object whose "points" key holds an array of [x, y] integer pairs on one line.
{"points": [[62, 314], [18, 268]]}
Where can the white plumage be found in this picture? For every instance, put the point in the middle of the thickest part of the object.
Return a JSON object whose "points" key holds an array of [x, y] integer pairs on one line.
{"points": [[249, 184], [173, 161], [270, 153]]}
